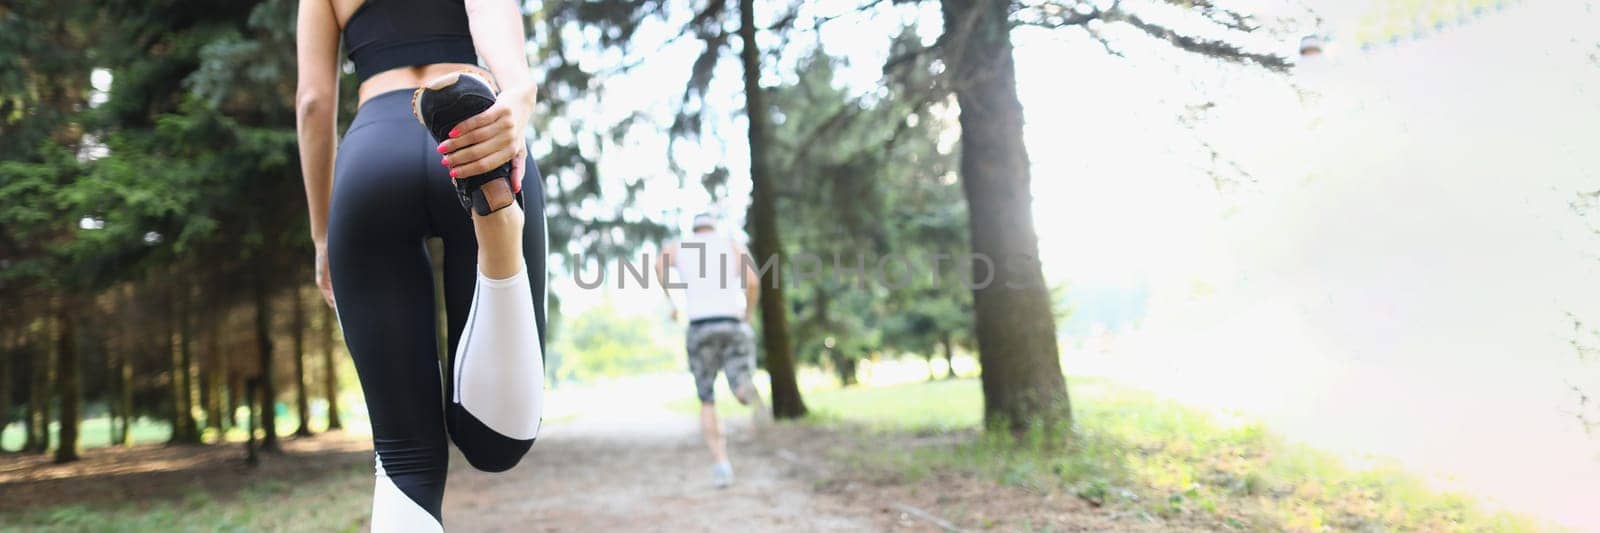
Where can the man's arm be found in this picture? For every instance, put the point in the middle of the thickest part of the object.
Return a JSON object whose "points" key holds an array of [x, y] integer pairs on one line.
{"points": [[752, 283], [667, 252]]}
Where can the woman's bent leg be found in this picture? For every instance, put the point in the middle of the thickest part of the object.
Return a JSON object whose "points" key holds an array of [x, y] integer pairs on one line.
{"points": [[496, 325]]}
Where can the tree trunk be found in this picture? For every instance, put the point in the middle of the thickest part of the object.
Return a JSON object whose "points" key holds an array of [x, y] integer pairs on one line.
{"points": [[786, 400], [67, 383], [6, 346], [1022, 381], [845, 365], [302, 404], [120, 371], [949, 357], [113, 396], [330, 370], [30, 429], [250, 423], [268, 392], [175, 383], [201, 381], [186, 366], [232, 400], [125, 389], [112, 416], [214, 376], [178, 352], [108, 393], [39, 401]]}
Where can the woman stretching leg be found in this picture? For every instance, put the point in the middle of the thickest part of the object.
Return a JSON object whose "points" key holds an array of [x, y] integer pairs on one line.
{"points": [[385, 189]]}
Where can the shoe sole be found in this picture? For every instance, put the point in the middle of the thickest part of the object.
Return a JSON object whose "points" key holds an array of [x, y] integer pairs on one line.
{"points": [[437, 84]]}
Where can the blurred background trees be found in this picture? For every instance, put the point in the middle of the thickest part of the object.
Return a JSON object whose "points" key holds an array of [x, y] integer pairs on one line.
{"points": [[154, 256], [152, 228]]}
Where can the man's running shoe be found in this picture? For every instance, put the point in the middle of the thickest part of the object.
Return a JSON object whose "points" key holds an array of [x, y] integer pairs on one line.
{"points": [[722, 475]]}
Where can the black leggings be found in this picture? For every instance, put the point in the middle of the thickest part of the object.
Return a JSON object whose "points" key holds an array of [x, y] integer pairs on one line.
{"points": [[389, 194]]}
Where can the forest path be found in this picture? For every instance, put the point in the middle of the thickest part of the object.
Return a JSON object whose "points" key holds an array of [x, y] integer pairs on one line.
{"points": [[625, 462]]}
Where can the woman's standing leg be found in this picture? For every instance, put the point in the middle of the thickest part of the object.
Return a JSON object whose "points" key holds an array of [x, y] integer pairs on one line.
{"points": [[497, 322], [384, 288]]}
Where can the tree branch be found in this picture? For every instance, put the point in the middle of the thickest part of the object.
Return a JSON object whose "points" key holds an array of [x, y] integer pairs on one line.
{"points": [[1230, 19], [1104, 43], [1054, 14], [900, 59], [1206, 47], [867, 6]]}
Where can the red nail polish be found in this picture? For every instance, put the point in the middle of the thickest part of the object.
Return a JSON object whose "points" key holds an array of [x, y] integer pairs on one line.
{"points": [[441, 148], [516, 187], [444, 161], [452, 173], [455, 133]]}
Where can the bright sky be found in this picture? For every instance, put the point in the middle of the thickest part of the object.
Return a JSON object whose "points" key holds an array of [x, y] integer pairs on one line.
{"points": [[1396, 283]]}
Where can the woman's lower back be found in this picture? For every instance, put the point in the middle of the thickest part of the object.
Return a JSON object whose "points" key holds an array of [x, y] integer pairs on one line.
{"points": [[410, 78]]}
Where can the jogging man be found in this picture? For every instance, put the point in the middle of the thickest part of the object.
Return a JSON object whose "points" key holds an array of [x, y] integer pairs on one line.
{"points": [[720, 288]]}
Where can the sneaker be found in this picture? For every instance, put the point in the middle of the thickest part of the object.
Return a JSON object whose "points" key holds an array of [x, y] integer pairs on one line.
{"points": [[443, 103], [722, 475]]}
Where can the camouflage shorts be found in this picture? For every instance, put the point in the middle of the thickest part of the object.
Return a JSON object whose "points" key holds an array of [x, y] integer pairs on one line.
{"points": [[726, 345]]}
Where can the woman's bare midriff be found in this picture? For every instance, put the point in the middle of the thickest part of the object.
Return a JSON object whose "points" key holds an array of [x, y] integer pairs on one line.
{"points": [[411, 78]]}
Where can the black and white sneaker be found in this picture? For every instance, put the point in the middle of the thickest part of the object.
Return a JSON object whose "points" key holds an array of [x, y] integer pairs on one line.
{"points": [[443, 103]]}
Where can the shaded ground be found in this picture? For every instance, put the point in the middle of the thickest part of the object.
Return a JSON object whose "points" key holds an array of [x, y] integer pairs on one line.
{"points": [[153, 474]]}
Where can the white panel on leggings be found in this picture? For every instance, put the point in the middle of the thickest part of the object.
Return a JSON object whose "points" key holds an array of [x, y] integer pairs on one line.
{"points": [[499, 366], [394, 512]]}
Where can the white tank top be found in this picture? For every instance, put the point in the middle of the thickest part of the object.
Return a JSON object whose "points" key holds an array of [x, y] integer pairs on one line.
{"points": [[712, 273]]}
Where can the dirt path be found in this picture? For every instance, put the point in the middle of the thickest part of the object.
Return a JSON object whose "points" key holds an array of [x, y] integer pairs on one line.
{"points": [[630, 466], [617, 460]]}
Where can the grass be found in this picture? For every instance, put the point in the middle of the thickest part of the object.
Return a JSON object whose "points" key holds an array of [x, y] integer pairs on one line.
{"points": [[1131, 449], [96, 432], [337, 501], [334, 501]]}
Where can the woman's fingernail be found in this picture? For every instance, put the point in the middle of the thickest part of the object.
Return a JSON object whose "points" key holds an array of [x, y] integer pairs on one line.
{"points": [[455, 132], [444, 161], [441, 148], [516, 187], [453, 173]]}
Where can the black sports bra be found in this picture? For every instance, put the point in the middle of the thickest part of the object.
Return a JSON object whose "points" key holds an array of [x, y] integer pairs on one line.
{"points": [[388, 34]]}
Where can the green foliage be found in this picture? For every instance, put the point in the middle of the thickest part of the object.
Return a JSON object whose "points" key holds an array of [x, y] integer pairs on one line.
{"points": [[185, 176], [602, 343], [178, 178], [866, 180], [580, 218]]}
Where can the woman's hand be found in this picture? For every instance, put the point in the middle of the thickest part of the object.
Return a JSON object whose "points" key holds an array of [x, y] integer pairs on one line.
{"points": [[493, 137], [324, 278]]}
